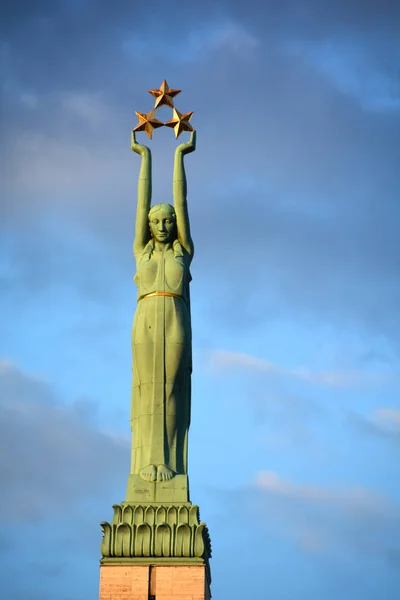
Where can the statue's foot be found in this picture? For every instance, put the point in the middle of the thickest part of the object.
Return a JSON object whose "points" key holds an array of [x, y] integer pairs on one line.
{"points": [[148, 473], [164, 473]]}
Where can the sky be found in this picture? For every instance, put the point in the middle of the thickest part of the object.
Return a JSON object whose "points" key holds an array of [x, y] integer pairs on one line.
{"points": [[293, 198]]}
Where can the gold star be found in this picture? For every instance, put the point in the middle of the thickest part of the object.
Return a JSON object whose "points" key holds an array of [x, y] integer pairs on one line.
{"points": [[147, 122], [180, 122], [164, 95]]}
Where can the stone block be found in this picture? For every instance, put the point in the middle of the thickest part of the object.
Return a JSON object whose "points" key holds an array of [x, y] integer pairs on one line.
{"points": [[167, 492], [181, 582], [124, 582]]}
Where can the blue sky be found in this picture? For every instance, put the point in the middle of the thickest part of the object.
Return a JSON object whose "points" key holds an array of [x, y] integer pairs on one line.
{"points": [[293, 198]]}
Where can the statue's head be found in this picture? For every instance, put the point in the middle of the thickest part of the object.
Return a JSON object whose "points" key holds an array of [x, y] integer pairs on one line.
{"points": [[162, 223]]}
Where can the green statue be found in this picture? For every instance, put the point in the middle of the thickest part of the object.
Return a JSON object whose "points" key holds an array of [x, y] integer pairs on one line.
{"points": [[161, 333]]}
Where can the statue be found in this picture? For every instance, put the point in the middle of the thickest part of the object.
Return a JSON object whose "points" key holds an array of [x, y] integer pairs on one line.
{"points": [[161, 333]]}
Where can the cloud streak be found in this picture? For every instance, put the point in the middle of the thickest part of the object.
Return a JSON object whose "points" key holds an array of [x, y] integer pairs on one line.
{"points": [[382, 423], [232, 361], [388, 418], [324, 518]]}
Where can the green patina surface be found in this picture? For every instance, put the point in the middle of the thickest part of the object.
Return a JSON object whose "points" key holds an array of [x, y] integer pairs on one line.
{"points": [[156, 531], [175, 490], [161, 333]]}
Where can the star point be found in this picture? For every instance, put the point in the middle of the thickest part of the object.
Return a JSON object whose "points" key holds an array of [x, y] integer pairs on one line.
{"points": [[164, 95], [147, 122], [180, 122]]}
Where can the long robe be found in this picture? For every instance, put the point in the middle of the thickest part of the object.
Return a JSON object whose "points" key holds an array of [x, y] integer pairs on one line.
{"points": [[162, 360]]}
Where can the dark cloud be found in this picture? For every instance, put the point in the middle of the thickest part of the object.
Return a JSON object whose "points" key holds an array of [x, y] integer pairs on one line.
{"points": [[60, 475], [52, 455], [309, 214], [319, 17]]}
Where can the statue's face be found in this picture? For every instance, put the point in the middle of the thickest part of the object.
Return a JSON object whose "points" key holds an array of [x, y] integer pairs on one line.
{"points": [[162, 226]]}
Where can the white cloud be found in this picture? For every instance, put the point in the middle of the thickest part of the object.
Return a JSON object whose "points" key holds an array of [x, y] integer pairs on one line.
{"points": [[59, 169], [383, 422], [225, 360], [310, 539], [200, 43], [29, 99], [388, 417], [351, 69], [351, 499], [230, 37], [90, 108], [329, 519]]}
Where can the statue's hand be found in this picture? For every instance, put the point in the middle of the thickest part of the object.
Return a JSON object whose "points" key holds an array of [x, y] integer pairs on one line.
{"points": [[138, 148], [190, 146]]}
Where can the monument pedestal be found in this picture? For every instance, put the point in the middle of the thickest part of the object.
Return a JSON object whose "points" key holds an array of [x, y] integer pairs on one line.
{"points": [[155, 552], [154, 582]]}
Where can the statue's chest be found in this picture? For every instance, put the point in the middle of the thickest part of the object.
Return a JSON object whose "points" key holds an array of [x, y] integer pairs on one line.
{"points": [[162, 270]]}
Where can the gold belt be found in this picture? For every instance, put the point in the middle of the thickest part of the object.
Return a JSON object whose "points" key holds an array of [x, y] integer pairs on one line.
{"points": [[162, 294]]}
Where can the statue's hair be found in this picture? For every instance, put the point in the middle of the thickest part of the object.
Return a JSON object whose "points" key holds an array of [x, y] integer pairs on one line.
{"points": [[162, 206]]}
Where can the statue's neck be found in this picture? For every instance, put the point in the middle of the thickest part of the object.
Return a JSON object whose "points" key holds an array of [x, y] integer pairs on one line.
{"points": [[162, 246]]}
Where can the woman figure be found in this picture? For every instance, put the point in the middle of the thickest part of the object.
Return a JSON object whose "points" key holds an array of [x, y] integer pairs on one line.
{"points": [[161, 334]]}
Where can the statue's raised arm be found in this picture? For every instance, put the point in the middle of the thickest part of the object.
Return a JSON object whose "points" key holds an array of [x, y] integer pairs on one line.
{"points": [[142, 234], [180, 194]]}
